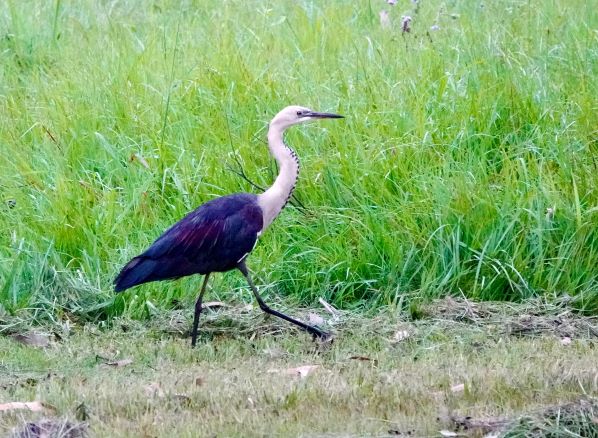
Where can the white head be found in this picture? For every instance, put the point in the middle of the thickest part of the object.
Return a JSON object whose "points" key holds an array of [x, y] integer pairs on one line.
{"points": [[294, 115]]}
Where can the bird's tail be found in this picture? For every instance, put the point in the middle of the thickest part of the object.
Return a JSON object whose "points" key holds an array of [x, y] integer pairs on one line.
{"points": [[139, 270]]}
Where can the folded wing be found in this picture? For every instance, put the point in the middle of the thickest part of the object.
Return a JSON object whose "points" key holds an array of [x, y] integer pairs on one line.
{"points": [[213, 238]]}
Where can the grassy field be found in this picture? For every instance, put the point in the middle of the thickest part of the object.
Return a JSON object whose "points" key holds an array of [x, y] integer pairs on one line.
{"points": [[118, 117], [466, 166], [462, 367]]}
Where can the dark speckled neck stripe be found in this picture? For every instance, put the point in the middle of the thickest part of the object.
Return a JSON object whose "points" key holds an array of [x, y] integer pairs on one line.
{"points": [[296, 158]]}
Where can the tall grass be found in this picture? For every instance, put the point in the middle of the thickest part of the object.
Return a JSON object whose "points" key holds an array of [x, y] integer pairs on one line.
{"points": [[118, 117]]}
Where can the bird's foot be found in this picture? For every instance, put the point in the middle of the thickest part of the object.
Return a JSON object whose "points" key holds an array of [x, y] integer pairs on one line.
{"points": [[322, 337], [322, 341]]}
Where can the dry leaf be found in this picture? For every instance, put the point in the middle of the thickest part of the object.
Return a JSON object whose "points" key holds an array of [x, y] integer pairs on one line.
{"points": [[119, 363], [458, 388], [34, 406], [315, 319], [213, 304], [566, 340], [302, 371], [400, 335], [448, 433], [32, 338]]}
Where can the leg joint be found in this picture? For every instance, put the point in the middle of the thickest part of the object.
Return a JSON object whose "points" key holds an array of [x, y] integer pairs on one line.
{"points": [[262, 304]]}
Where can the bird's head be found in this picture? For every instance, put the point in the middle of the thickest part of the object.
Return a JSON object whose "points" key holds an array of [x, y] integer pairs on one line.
{"points": [[294, 115]]}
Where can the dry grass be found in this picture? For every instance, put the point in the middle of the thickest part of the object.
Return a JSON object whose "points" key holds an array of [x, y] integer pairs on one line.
{"points": [[533, 318], [368, 382], [576, 419]]}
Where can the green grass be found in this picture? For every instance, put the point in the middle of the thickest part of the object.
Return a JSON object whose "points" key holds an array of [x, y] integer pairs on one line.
{"points": [[234, 383], [456, 142]]}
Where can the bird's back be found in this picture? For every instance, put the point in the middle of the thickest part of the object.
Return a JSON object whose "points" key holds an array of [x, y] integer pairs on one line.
{"points": [[215, 237]]}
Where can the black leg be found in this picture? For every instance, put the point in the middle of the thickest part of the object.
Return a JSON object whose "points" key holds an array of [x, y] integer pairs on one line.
{"points": [[198, 310], [308, 328]]}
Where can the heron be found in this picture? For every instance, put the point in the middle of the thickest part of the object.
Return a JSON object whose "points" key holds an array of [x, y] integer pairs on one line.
{"points": [[220, 234]]}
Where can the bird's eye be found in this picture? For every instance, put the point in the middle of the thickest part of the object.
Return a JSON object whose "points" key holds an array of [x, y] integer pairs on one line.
{"points": [[299, 113]]}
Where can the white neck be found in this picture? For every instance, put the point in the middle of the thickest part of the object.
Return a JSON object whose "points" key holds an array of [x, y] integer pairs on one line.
{"points": [[275, 198]]}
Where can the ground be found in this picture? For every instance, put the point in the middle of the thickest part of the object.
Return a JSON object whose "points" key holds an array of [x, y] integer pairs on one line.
{"points": [[420, 373]]}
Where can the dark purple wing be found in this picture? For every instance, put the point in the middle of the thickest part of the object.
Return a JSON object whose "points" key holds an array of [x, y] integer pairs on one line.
{"points": [[212, 238]]}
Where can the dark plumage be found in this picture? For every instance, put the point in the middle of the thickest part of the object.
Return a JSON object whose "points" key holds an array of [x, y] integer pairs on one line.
{"points": [[215, 237], [218, 235]]}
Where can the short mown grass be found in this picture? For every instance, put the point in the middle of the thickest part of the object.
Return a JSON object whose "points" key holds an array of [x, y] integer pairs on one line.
{"points": [[117, 118], [387, 375]]}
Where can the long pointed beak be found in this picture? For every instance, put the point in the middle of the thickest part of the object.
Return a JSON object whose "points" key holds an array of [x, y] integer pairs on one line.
{"points": [[316, 115]]}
